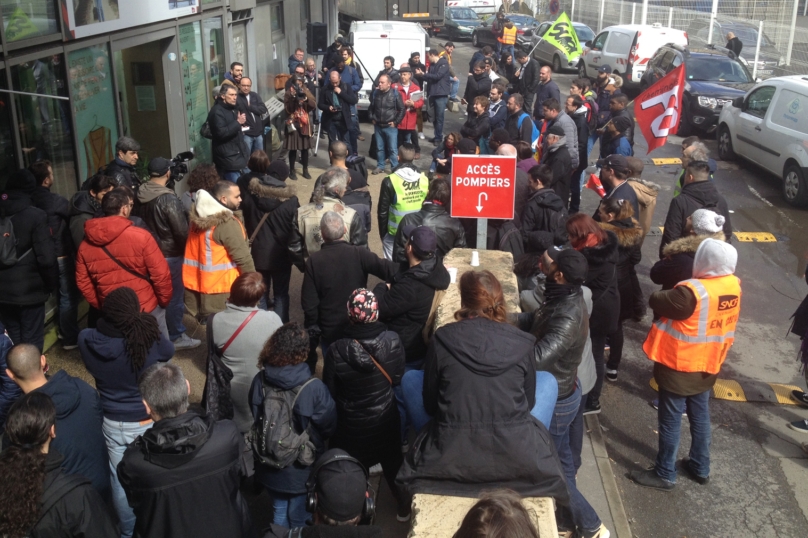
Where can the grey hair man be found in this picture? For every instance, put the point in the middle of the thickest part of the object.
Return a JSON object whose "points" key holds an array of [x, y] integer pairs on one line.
{"points": [[122, 168], [693, 150]]}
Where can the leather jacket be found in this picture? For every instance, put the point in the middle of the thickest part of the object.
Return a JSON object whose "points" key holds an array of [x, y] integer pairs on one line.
{"points": [[449, 231], [387, 107], [165, 218]]}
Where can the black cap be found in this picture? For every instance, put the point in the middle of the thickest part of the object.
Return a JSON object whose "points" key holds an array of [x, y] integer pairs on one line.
{"points": [[605, 69], [570, 262], [278, 169], [556, 129], [159, 166], [341, 486], [467, 146], [615, 162], [621, 123], [423, 240]]}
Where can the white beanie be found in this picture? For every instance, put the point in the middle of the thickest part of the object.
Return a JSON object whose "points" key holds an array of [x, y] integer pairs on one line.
{"points": [[706, 222]]}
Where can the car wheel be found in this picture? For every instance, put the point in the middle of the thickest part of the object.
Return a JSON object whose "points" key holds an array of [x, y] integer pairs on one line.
{"points": [[556, 63], [795, 191], [725, 151], [475, 40], [582, 69]]}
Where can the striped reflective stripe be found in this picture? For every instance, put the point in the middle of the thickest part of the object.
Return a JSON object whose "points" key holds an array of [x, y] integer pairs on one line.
{"points": [[398, 213], [209, 258], [704, 314]]}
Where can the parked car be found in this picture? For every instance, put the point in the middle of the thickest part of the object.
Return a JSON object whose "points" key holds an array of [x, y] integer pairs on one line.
{"points": [[480, 7], [525, 26], [768, 59], [552, 55], [458, 24], [627, 49], [769, 127], [714, 78]]}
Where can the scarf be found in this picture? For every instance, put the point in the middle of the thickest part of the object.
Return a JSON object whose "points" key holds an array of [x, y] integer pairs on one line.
{"points": [[554, 290]]}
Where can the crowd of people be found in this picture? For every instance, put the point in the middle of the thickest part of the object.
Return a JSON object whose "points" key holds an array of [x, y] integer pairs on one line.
{"points": [[434, 409]]}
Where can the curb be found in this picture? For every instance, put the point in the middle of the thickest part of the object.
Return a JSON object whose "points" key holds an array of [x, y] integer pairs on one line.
{"points": [[622, 529]]}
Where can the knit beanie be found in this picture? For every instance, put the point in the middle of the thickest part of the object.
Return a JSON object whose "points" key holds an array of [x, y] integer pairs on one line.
{"points": [[278, 169], [21, 181], [706, 222], [363, 306]]}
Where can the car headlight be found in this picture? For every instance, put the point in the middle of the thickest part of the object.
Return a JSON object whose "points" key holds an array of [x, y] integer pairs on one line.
{"points": [[466, 28], [708, 102]]}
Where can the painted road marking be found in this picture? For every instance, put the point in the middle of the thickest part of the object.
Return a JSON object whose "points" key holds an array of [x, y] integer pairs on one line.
{"points": [[743, 237], [672, 160], [756, 391]]}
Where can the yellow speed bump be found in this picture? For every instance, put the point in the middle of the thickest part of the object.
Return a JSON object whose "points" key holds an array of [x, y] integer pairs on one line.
{"points": [[757, 237], [673, 160], [726, 389]]}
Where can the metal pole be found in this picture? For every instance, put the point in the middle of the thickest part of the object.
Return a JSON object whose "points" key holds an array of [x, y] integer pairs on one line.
{"points": [[793, 29], [600, 18], [713, 14], [644, 19], [482, 234], [670, 18], [572, 11], [633, 11], [757, 50], [36, 95], [805, 10]]}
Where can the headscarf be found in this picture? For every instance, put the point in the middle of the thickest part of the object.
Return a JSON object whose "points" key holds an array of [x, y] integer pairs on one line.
{"points": [[363, 306]]}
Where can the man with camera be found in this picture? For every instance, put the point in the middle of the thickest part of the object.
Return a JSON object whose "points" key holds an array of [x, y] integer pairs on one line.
{"points": [[252, 106], [335, 102]]}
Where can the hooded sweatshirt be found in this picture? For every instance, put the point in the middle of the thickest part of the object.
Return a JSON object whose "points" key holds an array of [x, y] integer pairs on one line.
{"points": [[207, 213]]}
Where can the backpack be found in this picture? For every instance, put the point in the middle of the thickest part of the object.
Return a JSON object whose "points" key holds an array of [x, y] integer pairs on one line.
{"points": [[592, 117], [534, 138], [274, 440], [357, 162], [8, 243]]}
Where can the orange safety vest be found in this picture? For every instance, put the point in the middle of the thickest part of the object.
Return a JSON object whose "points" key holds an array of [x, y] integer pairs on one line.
{"points": [[700, 342], [508, 36], [207, 268]]}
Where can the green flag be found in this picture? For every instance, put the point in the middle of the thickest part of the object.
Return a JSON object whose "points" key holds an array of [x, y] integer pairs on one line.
{"points": [[562, 35]]}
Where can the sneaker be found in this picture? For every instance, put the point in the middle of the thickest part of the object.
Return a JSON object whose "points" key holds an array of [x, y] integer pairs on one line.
{"points": [[421, 136], [69, 347], [377, 171], [606, 348], [799, 426], [650, 479], [375, 470], [800, 396], [600, 532], [611, 374], [186, 342], [655, 404], [684, 464], [592, 408]]}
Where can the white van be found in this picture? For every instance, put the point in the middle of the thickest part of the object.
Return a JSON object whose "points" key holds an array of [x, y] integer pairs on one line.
{"points": [[627, 49], [374, 40]]}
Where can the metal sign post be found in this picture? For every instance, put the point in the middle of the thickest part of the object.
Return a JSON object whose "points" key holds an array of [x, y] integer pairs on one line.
{"points": [[482, 233]]}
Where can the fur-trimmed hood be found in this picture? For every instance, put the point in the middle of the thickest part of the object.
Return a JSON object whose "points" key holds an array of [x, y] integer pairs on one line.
{"points": [[648, 184], [689, 245], [603, 253], [269, 187], [207, 212], [628, 231]]}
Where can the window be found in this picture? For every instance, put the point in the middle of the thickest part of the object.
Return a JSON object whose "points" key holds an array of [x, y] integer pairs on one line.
{"points": [[665, 61], [543, 28], [758, 102], [600, 41], [8, 151], [791, 111], [213, 43], [195, 85], [266, 63], [24, 19], [238, 45], [619, 43], [276, 19], [305, 12]]}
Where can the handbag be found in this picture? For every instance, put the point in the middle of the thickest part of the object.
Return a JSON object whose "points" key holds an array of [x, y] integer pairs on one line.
{"points": [[205, 131]]}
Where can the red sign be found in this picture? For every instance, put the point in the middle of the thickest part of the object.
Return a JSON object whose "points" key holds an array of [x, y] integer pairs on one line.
{"points": [[483, 186], [658, 108]]}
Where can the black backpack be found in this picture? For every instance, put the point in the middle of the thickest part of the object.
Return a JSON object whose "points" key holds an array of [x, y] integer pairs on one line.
{"points": [[357, 162], [8, 243]]}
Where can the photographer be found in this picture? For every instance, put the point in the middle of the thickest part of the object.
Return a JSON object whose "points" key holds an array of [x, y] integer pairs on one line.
{"points": [[299, 104], [335, 102]]}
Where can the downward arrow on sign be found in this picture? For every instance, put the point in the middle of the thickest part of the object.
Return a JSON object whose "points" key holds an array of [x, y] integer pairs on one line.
{"points": [[479, 201]]}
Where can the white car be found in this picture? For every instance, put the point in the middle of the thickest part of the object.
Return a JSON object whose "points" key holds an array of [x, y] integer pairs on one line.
{"points": [[769, 127]]}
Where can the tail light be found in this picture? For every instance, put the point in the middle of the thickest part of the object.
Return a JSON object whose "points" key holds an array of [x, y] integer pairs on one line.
{"points": [[520, 31]]}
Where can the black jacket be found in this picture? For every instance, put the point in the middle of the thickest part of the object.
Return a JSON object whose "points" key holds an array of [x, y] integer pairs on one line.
{"points": [[346, 98], [529, 80], [735, 45], [165, 218], [543, 93], [368, 421], [476, 85], [75, 508], [230, 152], [392, 73], [629, 253], [698, 195], [544, 222], [419, 79], [360, 201], [83, 207], [34, 276], [331, 275], [482, 435], [629, 134], [602, 280], [558, 158], [561, 328], [259, 195], [191, 466], [517, 133], [438, 78], [448, 231], [405, 306], [579, 119], [253, 112], [124, 174], [58, 210], [387, 107], [476, 126]]}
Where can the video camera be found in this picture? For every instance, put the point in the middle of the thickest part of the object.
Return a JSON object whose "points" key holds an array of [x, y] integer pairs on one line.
{"points": [[344, 42], [179, 167]]}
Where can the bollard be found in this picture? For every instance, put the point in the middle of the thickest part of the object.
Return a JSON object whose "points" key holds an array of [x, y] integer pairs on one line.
{"points": [[757, 50]]}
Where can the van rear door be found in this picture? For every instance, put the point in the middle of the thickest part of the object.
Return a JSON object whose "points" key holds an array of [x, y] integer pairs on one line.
{"points": [[371, 45]]}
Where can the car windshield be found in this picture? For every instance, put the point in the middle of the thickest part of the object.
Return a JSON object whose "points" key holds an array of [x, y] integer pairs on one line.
{"points": [[463, 13], [717, 69], [748, 36], [522, 20], [584, 33]]}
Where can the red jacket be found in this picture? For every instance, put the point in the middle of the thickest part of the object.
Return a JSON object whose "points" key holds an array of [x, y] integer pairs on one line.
{"points": [[97, 274], [410, 117]]}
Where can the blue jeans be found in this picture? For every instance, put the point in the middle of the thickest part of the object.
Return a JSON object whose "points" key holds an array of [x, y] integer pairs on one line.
{"points": [[386, 142], [671, 407], [577, 434], [338, 131], [176, 308], [455, 88], [230, 175], [254, 143], [579, 513], [412, 388], [507, 48], [68, 301], [290, 510], [593, 137], [437, 107], [353, 130], [405, 419], [118, 435], [279, 280]]}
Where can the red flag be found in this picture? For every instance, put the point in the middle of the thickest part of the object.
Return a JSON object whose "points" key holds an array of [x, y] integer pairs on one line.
{"points": [[595, 184], [659, 107]]}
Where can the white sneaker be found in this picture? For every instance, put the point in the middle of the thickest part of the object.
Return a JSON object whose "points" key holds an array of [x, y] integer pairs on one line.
{"points": [[421, 136], [375, 470], [186, 342]]}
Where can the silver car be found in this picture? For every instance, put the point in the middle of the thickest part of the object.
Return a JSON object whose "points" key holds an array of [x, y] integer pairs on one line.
{"points": [[549, 54]]}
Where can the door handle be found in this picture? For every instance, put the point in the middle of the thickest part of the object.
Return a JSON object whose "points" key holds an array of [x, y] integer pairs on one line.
{"points": [[757, 128]]}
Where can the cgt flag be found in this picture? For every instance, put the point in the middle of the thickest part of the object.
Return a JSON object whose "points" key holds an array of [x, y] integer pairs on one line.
{"points": [[562, 35], [659, 107]]}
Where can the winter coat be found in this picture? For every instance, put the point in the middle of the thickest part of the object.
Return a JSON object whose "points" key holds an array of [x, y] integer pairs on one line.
{"points": [[261, 195], [557, 157], [696, 195], [629, 253], [34, 276], [417, 78], [349, 75], [368, 422], [448, 231], [58, 210], [561, 328], [482, 434], [601, 278], [123, 173], [476, 85], [387, 107], [529, 78], [79, 510], [393, 73], [478, 56], [83, 207], [360, 201], [97, 274], [78, 423], [9, 390], [165, 217], [346, 97], [103, 351], [735, 45], [438, 78], [604, 95], [517, 133], [543, 93], [187, 465], [253, 112], [624, 191], [230, 152], [207, 213], [646, 193], [618, 145], [582, 131], [629, 133], [544, 223], [387, 194], [677, 262], [498, 115], [476, 127], [570, 136], [331, 275], [314, 409], [291, 105], [410, 121], [405, 306]]}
